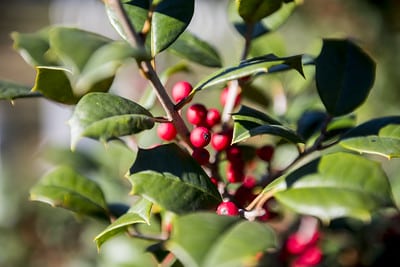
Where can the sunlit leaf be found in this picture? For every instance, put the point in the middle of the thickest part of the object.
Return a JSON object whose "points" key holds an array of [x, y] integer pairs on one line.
{"points": [[344, 76], [206, 239], [138, 213], [391, 130], [175, 180], [65, 188], [11, 90], [253, 11], [383, 146], [334, 186], [105, 116]]}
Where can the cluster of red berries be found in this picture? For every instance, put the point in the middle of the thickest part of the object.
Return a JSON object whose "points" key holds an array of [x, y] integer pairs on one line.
{"points": [[303, 251], [208, 131]]}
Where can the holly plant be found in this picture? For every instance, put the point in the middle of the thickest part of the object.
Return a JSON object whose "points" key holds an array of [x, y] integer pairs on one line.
{"points": [[235, 183]]}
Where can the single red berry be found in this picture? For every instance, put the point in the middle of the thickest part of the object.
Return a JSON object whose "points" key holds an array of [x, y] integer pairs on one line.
{"points": [[311, 256], [220, 141], [180, 90], [166, 131], [200, 136], [235, 172], [213, 117], [201, 155], [196, 114], [265, 152], [296, 244], [233, 153], [224, 96], [227, 208], [244, 195]]}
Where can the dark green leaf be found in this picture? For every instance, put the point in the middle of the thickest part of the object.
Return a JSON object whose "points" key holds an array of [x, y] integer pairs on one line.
{"points": [[11, 90], [344, 75], [206, 239], [249, 122], [310, 123], [336, 185], [138, 213], [174, 180], [372, 127], [54, 84], [194, 49], [65, 188], [253, 11], [265, 64], [105, 116]]}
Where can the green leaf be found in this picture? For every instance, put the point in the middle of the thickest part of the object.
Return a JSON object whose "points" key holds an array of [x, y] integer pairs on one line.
{"points": [[11, 90], [175, 181], [372, 127], [169, 19], [249, 122], [344, 76], [207, 239], [138, 213], [35, 48], [105, 116], [264, 64], [334, 186], [103, 64], [65, 188], [384, 146], [254, 10], [391, 130], [54, 84], [196, 50], [269, 24], [65, 42]]}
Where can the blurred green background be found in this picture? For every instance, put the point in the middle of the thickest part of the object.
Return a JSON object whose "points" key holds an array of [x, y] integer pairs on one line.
{"points": [[34, 234]]}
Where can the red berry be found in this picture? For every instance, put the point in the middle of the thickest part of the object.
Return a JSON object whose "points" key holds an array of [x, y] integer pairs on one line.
{"points": [[244, 195], [296, 244], [166, 131], [265, 152], [227, 208], [213, 117], [201, 155], [180, 90], [196, 114], [235, 172], [214, 181], [233, 154], [224, 96], [220, 141], [200, 136], [309, 257]]}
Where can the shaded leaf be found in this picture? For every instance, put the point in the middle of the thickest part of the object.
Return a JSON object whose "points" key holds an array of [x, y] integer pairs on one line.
{"points": [[207, 239], [249, 122], [138, 213], [175, 181], [65, 188], [196, 50], [11, 90], [344, 76], [54, 84], [105, 116], [334, 186], [253, 11], [371, 127], [264, 64]]}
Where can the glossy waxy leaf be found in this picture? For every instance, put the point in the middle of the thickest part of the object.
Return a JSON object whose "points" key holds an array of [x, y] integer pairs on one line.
{"points": [[65, 188], [372, 127], [175, 181], [253, 11], [334, 186], [269, 24], [169, 19], [249, 122], [138, 213], [11, 90], [206, 239], [264, 64], [344, 76], [386, 144], [196, 50], [54, 84], [106, 116]]}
